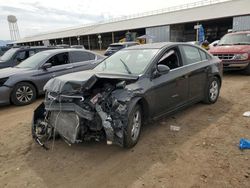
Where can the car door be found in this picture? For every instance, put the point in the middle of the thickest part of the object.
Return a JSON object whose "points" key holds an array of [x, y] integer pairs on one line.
{"points": [[170, 90], [60, 65], [196, 60]]}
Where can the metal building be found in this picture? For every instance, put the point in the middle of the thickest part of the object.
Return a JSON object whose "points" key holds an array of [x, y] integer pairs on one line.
{"points": [[170, 24]]}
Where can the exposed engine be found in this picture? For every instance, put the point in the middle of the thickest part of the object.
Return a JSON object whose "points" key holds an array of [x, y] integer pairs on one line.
{"points": [[88, 113]]}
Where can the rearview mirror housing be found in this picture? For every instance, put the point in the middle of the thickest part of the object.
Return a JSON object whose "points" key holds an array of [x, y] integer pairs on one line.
{"points": [[46, 66], [160, 70], [163, 69]]}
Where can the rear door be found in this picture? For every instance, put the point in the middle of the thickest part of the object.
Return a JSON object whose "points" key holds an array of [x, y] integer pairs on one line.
{"points": [[196, 60]]}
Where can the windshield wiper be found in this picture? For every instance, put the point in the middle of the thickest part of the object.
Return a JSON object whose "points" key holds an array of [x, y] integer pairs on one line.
{"points": [[225, 44], [126, 67], [242, 43]]}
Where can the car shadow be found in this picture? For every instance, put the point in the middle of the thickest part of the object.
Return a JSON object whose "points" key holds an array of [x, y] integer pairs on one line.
{"points": [[95, 164]]}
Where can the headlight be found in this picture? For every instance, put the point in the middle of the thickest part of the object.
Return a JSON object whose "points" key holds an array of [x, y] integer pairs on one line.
{"points": [[3, 80], [241, 56]]}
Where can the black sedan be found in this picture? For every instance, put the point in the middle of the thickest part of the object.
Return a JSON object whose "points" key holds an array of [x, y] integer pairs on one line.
{"points": [[128, 88]]}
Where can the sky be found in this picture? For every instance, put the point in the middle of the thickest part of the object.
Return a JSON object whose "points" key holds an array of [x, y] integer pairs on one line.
{"points": [[36, 17]]}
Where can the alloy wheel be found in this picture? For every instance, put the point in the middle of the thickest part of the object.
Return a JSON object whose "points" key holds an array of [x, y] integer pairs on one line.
{"points": [[24, 94], [136, 125]]}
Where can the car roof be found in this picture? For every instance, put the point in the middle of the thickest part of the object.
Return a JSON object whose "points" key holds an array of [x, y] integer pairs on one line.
{"points": [[61, 50], [157, 45], [123, 43]]}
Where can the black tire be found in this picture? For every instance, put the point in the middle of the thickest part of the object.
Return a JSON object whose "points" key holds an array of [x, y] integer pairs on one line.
{"points": [[211, 95], [247, 70], [23, 94], [131, 138]]}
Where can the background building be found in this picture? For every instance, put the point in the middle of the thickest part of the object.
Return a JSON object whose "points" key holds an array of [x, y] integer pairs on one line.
{"points": [[171, 24]]}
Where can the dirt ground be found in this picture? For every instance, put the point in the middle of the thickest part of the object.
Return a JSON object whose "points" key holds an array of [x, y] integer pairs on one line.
{"points": [[204, 153]]}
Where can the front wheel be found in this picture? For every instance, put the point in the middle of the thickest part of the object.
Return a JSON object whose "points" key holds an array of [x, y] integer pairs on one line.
{"points": [[247, 70], [23, 93], [212, 91], [133, 130]]}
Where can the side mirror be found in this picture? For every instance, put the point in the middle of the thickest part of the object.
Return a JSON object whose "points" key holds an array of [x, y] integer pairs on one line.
{"points": [[161, 69], [46, 66]]}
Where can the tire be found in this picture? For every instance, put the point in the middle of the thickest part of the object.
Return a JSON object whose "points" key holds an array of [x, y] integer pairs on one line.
{"points": [[247, 70], [23, 94], [133, 130], [212, 91]]}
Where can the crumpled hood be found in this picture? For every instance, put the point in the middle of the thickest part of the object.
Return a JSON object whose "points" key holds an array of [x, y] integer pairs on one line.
{"points": [[7, 72], [230, 49], [83, 80]]}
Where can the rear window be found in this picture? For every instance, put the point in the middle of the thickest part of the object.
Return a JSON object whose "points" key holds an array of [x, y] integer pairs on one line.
{"points": [[116, 47], [203, 55], [192, 54], [78, 56]]}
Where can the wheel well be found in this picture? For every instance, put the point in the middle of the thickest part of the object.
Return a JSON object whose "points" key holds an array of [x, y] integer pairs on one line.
{"points": [[219, 78], [26, 82], [145, 108]]}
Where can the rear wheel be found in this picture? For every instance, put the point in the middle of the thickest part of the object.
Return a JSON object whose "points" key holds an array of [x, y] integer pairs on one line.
{"points": [[133, 130], [23, 93], [212, 91]]}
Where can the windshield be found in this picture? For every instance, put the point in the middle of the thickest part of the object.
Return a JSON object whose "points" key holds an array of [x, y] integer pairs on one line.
{"points": [[128, 61], [7, 55], [34, 60], [233, 39]]}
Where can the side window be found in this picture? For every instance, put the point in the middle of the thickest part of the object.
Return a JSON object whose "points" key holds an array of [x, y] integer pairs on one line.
{"points": [[21, 55], [203, 55], [59, 59], [81, 56], [171, 59], [92, 56], [31, 53], [192, 54]]}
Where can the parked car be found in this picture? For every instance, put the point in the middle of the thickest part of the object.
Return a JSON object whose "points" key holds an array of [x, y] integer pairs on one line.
{"points": [[77, 46], [118, 46], [3, 49], [234, 51], [21, 85], [130, 87], [14, 56]]}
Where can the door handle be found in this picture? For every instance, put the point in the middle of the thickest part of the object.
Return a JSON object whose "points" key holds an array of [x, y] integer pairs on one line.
{"points": [[70, 67]]}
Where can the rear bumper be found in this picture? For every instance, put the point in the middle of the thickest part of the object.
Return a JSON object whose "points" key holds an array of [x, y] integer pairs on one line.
{"points": [[235, 65], [5, 95]]}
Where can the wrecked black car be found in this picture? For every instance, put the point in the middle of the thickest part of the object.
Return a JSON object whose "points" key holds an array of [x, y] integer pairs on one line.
{"points": [[126, 89]]}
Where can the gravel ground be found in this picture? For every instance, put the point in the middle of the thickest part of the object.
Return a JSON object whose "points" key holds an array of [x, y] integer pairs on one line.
{"points": [[204, 153]]}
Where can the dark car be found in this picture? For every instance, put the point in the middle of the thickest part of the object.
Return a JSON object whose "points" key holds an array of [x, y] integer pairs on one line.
{"points": [[3, 49], [21, 85], [77, 46], [130, 87], [14, 56], [118, 46]]}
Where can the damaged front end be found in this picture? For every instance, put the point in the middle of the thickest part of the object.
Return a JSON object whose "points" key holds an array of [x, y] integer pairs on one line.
{"points": [[80, 110]]}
